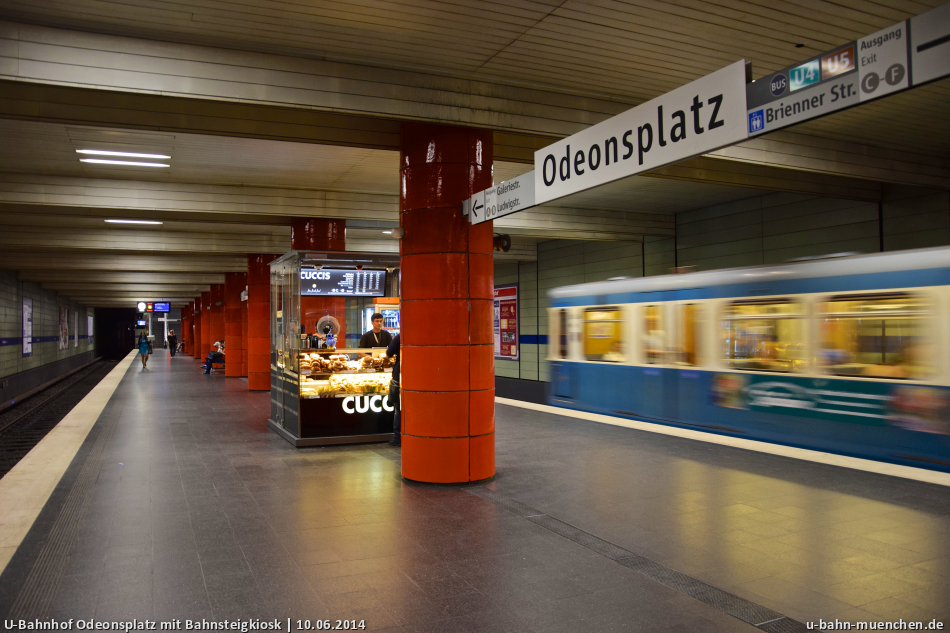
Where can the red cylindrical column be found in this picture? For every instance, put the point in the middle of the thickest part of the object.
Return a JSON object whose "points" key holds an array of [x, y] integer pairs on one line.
{"points": [[196, 330], [233, 336], [244, 331], [258, 322], [206, 339], [447, 366], [184, 336], [317, 234], [216, 306]]}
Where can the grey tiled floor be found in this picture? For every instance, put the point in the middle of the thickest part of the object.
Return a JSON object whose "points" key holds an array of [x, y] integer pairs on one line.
{"points": [[200, 512]]}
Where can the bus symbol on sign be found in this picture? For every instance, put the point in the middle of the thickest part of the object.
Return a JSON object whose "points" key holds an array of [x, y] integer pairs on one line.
{"points": [[805, 75], [778, 85], [837, 63]]}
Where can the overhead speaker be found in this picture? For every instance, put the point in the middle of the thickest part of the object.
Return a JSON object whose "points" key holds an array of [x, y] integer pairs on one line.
{"points": [[502, 243]]}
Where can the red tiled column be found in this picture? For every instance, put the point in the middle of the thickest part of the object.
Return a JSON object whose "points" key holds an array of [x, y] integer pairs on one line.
{"points": [[317, 234], [217, 331], [185, 335], [258, 322], [196, 321], [206, 339], [233, 336], [244, 332], [320, 234], [447, 366]]}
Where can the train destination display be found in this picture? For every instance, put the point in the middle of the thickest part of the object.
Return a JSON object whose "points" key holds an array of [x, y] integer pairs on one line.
{"points": [[342, 282]]}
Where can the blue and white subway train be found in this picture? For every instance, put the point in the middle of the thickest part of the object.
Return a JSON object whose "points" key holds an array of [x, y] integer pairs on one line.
{"points": [[847, 355]]}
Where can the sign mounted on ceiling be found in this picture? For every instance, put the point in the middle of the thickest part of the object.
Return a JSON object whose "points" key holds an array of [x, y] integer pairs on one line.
{"points": [[505, 198], [904, 55], [930, 45], [699, 117], [825, 83]]}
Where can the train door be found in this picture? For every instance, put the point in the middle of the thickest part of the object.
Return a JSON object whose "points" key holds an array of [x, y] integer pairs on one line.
{"points": [[654, 349], [690, 390], [562, 378]]}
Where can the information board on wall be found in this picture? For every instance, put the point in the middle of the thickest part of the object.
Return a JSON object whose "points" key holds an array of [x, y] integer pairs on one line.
{"points": [[63, 328], [342, 282], [506, 322], [89, 329], [27, 326]]}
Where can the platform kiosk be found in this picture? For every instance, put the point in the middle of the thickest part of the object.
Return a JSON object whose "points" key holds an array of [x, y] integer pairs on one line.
{"points": [[324, 391]]}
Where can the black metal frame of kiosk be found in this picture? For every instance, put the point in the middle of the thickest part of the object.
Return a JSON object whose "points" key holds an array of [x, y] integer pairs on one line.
{"points": [[316, 405]]}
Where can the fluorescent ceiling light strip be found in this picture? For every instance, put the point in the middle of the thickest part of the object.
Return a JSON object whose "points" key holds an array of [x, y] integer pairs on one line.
{"points": [[134, 222], [102, 152], [102, 161]]}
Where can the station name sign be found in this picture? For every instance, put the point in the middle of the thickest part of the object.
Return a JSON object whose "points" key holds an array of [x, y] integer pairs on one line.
{"points": [[694, 119]]}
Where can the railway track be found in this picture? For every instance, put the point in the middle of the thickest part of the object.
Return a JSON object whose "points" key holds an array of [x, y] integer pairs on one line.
{"points": [[23, 425]]}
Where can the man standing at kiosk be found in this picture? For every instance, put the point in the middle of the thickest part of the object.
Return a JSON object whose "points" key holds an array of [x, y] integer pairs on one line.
{"points": [[377, 337]]}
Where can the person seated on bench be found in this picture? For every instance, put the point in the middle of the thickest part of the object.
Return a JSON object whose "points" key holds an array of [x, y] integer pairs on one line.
{"points": [[214, 356]]}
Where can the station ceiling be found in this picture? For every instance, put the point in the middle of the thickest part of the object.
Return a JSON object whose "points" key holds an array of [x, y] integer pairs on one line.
{"points": [[235, 182]]}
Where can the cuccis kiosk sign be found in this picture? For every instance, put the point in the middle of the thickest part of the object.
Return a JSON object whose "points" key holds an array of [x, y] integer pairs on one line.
{"points": [[699, 117]]}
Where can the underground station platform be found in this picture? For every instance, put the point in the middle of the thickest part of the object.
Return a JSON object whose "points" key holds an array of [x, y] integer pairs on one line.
{"points": [[181, 505]]}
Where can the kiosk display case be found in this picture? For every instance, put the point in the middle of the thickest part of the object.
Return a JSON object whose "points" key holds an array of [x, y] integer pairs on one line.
{"points": [[321, 392]]}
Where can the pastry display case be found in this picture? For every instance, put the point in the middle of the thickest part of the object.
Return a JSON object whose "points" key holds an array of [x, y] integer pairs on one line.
{"points": [[323, 393]]}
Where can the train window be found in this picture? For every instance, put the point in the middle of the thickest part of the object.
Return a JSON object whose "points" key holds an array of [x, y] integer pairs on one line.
{"points": [[690, 317], [878, 336], [562, 334], [654, 336], [603, 335], [764, 335]]}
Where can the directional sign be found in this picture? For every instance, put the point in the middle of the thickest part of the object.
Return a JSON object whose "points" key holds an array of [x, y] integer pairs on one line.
{"points": [[882, 62], [833, 85], [906, 54], [930, 45], [503, 199]]}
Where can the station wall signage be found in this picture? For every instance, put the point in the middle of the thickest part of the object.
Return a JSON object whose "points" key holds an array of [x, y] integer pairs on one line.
{"points": [[503, 199], [906, 54], [342, 282], [697, 118], [506, 322], [821, 85]]}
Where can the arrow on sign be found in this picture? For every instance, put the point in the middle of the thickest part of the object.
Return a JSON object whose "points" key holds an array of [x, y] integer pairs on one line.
{"points": [[476, 206]]}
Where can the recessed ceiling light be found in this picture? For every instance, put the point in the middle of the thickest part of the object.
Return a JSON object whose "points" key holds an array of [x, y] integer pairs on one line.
{"points": [[387, 232], [134, 222], [102, 161], [102, 152]]}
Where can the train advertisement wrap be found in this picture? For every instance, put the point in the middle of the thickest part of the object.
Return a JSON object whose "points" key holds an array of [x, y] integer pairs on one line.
{"points": [[844, 356]]}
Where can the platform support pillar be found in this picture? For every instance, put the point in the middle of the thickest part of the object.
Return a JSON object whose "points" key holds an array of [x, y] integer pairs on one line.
{"points": [[217, 309], [206, 319], [447, 366], [196, 329], [233, 336], [184, 334], [258, 322]]}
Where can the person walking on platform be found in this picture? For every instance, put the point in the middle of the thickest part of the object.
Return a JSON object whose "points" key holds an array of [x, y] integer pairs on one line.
{"points": [[143, 349], [393, 352], [172, 342]]}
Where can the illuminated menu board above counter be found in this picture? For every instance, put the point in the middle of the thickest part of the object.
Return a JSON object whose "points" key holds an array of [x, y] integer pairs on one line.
{"points": [[342, 282]]}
